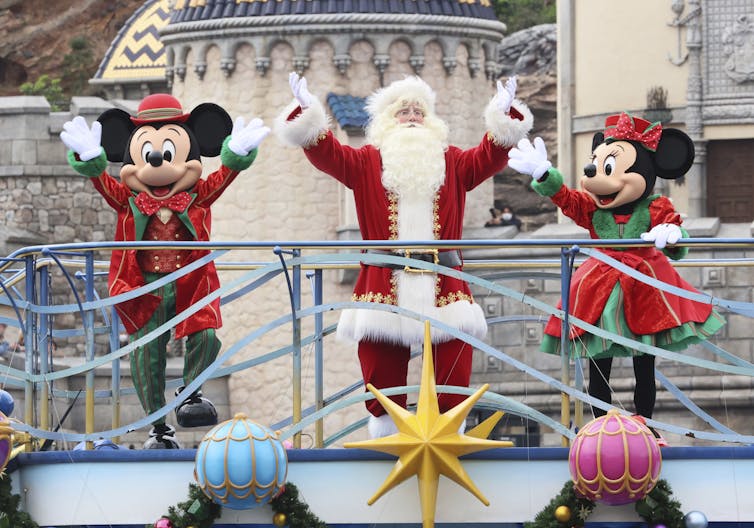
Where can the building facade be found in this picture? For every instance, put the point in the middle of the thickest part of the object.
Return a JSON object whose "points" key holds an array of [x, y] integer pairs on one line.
{"points": [[688, 64]]}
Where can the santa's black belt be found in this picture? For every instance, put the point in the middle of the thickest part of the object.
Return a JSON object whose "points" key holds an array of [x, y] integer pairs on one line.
{"points": [[450, 259]]}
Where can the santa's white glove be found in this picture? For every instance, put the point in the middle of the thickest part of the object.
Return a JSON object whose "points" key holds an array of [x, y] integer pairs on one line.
{"points": [[663, 234], [80, 139], [300, 91], [506, 94], [245, 138], [530, 159]]}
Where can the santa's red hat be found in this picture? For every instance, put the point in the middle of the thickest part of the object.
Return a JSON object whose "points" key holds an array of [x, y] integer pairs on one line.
{"points": [[159, 108]]}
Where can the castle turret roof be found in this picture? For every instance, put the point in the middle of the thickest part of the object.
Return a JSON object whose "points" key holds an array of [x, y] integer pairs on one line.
{"points": [[203, 10]]}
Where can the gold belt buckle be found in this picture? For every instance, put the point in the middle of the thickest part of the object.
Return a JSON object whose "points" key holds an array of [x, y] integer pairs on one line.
{"points": [[435, 258]]}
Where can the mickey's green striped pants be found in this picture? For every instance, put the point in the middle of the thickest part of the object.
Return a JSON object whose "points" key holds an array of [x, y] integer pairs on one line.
{"points": [[148, 362]]}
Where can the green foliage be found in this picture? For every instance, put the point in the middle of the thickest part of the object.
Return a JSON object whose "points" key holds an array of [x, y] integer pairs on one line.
{"points": [[198, 510], [10, 517], [78, 66], [297, 513], [49, 88], [658, 507], [580, 510], [521, 14]]}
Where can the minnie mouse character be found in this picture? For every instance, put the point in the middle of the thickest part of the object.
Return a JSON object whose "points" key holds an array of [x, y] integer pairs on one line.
{"points": [[162, 197], [615, 201]]}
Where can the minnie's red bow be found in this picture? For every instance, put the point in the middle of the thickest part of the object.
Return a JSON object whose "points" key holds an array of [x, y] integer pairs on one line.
{"points": [[149, 206], [625, 127]]}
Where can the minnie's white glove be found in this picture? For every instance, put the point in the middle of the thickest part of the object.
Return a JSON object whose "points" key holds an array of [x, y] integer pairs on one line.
{"points": [[245, 138], [300, 91], [662, 235], [80, 139], [530, 159], [506, 94]]}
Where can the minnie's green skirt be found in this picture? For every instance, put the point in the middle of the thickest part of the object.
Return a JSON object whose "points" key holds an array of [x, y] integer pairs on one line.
{"points": [[614, 321]]}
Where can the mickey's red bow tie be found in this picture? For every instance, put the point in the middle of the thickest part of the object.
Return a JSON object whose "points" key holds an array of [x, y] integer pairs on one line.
{"points": [[149, 206]]}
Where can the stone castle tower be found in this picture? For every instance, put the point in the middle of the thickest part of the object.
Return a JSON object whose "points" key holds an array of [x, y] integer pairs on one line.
{"points": [[239, 54]]}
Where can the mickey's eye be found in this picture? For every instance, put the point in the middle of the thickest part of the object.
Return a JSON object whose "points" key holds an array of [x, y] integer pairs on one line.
{"points": [[609, 165], [146, 149], [168, 150]]}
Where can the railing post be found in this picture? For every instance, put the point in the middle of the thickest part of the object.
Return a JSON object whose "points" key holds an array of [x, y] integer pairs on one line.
{"points": [[45, 347], [319, 366], [28, 336], [565, 348], [89, 336], [296, 306], [115, 371]]}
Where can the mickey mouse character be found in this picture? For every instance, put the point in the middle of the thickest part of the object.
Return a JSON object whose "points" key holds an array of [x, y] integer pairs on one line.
{"points": [[615, 201], [162, 197]]}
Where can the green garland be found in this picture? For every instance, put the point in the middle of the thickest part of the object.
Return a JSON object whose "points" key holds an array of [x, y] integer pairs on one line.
{"points": [[199, 511], [297, 513], [10, 517], [658, 507]]}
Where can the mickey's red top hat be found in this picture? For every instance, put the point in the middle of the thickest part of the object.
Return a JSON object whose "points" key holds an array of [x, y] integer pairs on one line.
{"points": [[159, 107]]}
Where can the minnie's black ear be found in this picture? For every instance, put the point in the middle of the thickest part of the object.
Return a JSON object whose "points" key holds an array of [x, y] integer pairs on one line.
{"points": [[210, 125], [674, 155], [116, 132], [597, 140]]}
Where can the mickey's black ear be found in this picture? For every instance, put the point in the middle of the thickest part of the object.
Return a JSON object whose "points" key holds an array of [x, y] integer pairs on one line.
{"points": [[116, 132], [674, 155], [211, 125], [597, 140]]}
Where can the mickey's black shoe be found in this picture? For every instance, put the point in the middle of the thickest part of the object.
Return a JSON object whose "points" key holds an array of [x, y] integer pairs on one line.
{"points": [[195, 411], [162, 436]]}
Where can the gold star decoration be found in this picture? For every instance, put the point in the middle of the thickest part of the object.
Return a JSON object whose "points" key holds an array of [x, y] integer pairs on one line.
{"points": [[428, 443], [582, 512]]}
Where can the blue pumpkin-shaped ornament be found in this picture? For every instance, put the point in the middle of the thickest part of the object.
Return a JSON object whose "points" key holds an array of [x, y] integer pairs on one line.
{"points": [[240, 464], [6, 402]]}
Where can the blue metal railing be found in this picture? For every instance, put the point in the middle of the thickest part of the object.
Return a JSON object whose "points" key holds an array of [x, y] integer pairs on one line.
{"points": [[27, 295]]}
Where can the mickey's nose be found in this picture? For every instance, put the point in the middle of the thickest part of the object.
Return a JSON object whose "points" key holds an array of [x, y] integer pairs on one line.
{"points": [[590, 170], [155, 158]]}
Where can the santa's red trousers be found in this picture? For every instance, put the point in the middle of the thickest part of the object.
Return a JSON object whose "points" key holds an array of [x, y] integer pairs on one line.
{"points": [[385, 365]]}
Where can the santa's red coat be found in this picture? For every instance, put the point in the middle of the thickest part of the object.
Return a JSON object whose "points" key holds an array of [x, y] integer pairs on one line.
{"points": [[360, 169]]}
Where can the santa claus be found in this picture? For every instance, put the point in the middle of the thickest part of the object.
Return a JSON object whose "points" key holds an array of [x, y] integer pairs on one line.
{"points": [[408, 184]]}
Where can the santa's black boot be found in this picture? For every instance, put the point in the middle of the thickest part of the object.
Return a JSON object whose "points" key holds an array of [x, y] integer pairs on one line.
{"points": [[195, 411], [162, 436]]}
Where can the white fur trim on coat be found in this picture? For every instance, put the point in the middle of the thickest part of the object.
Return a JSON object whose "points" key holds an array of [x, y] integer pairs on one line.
{"points": [[507, 130], [304, 129], [415, 293]]}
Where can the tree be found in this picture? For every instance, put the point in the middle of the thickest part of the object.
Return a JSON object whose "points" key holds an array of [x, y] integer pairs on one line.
{"points": [[521, 14], [78, 66], [48, 87]]}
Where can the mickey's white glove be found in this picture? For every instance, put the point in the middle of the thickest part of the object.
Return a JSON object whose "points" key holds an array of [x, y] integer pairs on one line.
{"points": [[530, 159], [507, 93], [245, 138], [80, 139], [662, 235], [300, 91]]}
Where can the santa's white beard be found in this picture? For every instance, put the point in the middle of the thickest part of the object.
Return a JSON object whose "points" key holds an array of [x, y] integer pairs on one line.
{"points": [[413, 169], [413, 161]]}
